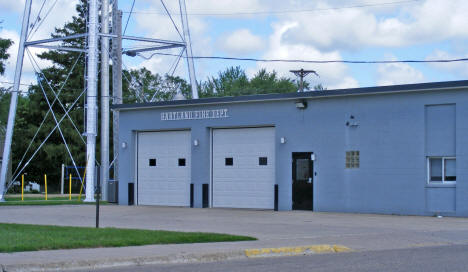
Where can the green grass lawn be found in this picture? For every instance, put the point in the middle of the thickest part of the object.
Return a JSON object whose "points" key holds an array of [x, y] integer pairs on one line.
{"points": [[38, 197], [14, 200], [48, 202], [20, 237]]}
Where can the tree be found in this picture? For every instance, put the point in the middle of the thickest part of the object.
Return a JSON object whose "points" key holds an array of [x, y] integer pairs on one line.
{"points": [[4, 96], [231, 82], [319, 87], [234, 82], [4, 45], [264, 82], [4, 106], [143, 86]]}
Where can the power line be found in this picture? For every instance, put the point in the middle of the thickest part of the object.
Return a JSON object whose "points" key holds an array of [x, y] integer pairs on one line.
{"points": [[278, 12], [38, 17], [129, 15], [42, 20], [35, 85], [314, 61], [170, 17], [12, 83]]}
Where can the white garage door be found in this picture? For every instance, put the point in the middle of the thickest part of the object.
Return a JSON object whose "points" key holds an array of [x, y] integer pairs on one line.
{"points": [[244, 168], [164, 168]]}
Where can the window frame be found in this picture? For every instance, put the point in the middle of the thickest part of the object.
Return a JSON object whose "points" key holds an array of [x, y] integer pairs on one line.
{"points": [[443, 181], [231, 159], [182, 162], [354, 157]]}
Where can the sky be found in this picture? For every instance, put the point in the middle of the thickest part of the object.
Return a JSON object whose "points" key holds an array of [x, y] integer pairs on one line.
{"points": [[283, 29]]}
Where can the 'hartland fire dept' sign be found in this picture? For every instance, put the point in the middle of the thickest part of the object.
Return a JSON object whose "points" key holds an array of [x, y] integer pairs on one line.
{"points": [[194, 115]]}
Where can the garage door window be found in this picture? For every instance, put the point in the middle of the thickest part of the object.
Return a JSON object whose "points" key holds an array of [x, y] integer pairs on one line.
{"points": [[263, 161], [152, 162], [229, 161], [182, 162]]}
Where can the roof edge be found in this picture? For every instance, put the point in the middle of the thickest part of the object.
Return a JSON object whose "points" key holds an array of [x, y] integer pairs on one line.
{"points": [[406, 88]]}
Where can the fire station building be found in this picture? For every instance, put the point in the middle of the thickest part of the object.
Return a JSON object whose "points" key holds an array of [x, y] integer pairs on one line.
{"points": [[392, 150]]}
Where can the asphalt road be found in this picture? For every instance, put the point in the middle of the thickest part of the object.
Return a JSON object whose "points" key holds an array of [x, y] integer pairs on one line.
{"points": [[360, 232], [442, 258]]}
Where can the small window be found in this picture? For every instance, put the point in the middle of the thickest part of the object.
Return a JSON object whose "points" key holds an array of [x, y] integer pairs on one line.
{"points": [[263, 161], [182, 162], [352, 159], [152, 162], [450, 170], [229, 161], [435, 164], [442, 170]]}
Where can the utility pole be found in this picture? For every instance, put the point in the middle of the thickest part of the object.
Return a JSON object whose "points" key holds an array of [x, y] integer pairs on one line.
{"points": [[91, 113], [14, 100], [188, 49], [104, 98], [301, 74], [116, 79]]}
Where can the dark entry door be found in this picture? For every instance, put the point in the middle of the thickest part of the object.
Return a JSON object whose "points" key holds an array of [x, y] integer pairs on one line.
{"points": [[302, 181]]}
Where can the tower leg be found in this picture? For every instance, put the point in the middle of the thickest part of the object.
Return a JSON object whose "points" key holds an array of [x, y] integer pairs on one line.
{"points": [[104, 98], [91, 113], [14, 101], [188, 49]]}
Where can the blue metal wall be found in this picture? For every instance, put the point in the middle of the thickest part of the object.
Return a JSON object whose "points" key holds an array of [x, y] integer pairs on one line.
{"points": [[390, 135]]}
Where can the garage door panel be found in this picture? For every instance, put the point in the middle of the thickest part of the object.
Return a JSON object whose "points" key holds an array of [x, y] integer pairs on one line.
{"points": [[167, 183], [245, 184]]}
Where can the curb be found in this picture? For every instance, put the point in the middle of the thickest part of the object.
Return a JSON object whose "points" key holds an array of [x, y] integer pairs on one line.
{"points": [[122, 262], [289, 251], [176, 258]]}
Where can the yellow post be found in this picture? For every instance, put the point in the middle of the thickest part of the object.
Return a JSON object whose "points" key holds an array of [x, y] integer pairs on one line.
{"points": [[69, 189], [45, 182], [81, 188], [84, 178], [22, 187]]}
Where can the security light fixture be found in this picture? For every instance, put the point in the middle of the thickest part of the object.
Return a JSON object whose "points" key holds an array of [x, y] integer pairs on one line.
{"points": [[283, 140], [301, 104], [124, 145], [195, 142]]}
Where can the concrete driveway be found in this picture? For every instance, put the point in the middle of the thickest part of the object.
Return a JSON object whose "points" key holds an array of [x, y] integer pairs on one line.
{"points": [[273, 229]]}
